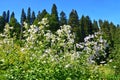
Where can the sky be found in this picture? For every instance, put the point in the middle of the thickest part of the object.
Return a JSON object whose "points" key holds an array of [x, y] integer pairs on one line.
{"points": [[96, 9]]}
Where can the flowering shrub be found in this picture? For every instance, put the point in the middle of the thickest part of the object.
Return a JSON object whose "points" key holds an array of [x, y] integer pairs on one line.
{"points": [[95, 46], [44, 55]]}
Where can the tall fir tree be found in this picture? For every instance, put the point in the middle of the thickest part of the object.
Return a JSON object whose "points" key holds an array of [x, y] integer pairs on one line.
{"points": [[33, 17], [100, 23], [23, 17], [82, 31], [38, 16], [89, 25], [95, 26], [12, 15], [63, 19], [106, 30], [73, 20], [4, 15], [74, 23], [16, 26], [29, 16], [41, 15], [54, 20], [2, 23], [8, 16], [112, 33]]}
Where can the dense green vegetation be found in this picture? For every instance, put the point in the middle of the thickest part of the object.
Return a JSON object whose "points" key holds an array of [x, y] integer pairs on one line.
{"points": [[50, 47]]}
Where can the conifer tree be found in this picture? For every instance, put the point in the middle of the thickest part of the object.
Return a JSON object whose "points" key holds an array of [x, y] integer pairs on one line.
{"points": [[41, 15], [29, 16], [100, 23], [74, 23], [82, 31], [33, 17], [73, 20], [95, 26], [38, 16], [16, 26], [63, 19], [12, 15], [54, 20], [23, 17], [4, 15], [89, 26], [2, 23], [7, 16]]}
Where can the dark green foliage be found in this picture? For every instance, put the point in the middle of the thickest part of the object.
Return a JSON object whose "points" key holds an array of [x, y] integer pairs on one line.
{"points": [[82, 31], [41, 15], [7, 16], [74, 23], [29, 16], [38, 16], [100, 23], [54, 20], [86, 27], [2, 24], [95, 26], [4, 16], [35, 22], [89, 26], [23, 17], [12, 15], [33, 17], [73, 20], [63, 19], [16, 26]]}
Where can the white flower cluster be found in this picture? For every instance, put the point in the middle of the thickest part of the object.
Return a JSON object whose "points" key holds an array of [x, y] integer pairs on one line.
{"points": [[63, 41], [95, 46]]}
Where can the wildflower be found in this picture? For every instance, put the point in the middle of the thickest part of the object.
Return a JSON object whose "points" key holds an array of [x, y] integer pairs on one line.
{"points": [[68, 65], [110, 60], [114, 66], [22, 49], [102, 62]]}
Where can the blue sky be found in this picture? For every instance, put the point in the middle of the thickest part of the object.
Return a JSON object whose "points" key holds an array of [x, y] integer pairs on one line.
{"points": [[96, 9]]}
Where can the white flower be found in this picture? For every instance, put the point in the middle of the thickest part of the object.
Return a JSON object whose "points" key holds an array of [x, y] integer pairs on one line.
{"points": [[68, 65], [79, 46], [110, 60], [101, 40], [102, 62], [22, 49], [10, 27]]}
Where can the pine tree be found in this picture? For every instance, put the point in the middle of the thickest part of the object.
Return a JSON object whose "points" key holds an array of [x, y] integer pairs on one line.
{"points": [[106, 30], [54, 20], [89, 26], [38, 16], [2, 23], [33, 17], [112, 32], [73, 20], [100, 23], [12, 15], [82, 31], [74, 23], [41, 15], [16, 26], [7, 16], [4, 15], [29, 16], [23, 17], [95, 26], [63, 19]]}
